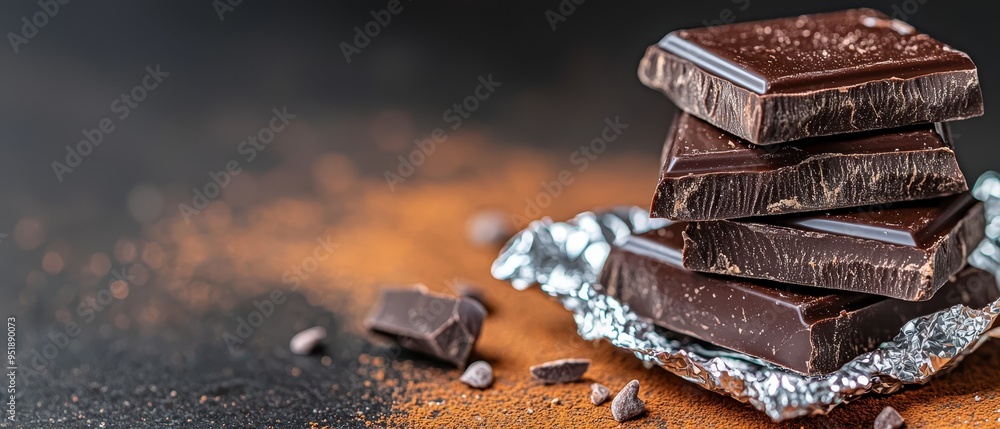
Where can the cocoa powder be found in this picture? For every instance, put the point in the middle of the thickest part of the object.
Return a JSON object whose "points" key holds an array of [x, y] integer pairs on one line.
{"points": [[417, 234]]}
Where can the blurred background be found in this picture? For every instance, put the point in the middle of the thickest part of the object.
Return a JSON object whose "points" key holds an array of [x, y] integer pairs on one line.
{"points": [[179, 87]]}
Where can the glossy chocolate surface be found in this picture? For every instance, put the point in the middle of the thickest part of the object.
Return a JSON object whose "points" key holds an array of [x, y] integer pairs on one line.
{"points": [[808, 330], [850, 170], [902, 250], [695, 146], [919, 224], [815, 51], [788, 79]]}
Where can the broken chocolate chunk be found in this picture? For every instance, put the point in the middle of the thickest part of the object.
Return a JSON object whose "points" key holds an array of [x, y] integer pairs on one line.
{"points": [[889, 418], [437, 325], [599, 393], [560, 371], [306, 341], [468, 289], [479, 374], [906, 251], [787, 79], [709, 174], [627, 404], [808, 330]]}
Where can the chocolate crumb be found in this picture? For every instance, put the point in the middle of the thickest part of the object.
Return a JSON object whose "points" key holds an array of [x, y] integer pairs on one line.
{"points": [[560, 371], [599, 393], [479, 375], [889, 419], [489, 227], [306, 341], [627, 404], [466, 289]]}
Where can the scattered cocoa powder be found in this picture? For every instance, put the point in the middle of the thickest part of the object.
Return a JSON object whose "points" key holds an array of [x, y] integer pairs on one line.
{"points": [[417, 234]]}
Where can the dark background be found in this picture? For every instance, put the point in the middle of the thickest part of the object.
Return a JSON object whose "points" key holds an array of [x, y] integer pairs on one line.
{"points": [[226, 76], [265, 55]]}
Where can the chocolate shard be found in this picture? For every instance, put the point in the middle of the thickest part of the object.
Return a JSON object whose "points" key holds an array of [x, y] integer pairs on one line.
{"points": [[905, 251], [307, 341], [468, 289], [787, 79], [560, 371], [627, 404], [437, 325], [807, 330], [479, 374], [599, 393], [889, 418], [701, 162]]}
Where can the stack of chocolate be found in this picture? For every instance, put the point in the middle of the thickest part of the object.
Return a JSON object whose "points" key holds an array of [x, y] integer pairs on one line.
{"points": [[816, 198]]}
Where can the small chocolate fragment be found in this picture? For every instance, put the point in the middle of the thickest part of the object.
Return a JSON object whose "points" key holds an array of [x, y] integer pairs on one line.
{"points": [[437, 325], [599, 393], [889, 418], [489, 228], [560, 371], [905, 251], [306, 341], [479, 374], [787, 79], [702, 163], [808, 330], [627, 404], [467, 289]]}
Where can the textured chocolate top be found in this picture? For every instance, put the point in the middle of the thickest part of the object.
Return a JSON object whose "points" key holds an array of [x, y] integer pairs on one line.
{"points": [[695, 146], [918, 223], [815, 51]]}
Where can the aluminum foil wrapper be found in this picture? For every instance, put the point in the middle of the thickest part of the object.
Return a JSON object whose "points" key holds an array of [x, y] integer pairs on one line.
{"points": [[565, 259]]}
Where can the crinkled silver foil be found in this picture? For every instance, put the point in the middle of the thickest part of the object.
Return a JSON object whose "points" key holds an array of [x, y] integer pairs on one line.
{"points": [[565, 259]]}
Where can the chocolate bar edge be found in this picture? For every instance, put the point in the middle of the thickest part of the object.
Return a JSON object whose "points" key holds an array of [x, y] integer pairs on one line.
{"points": [[816, 347], [709, 247], [934, 97], [936, 172]]}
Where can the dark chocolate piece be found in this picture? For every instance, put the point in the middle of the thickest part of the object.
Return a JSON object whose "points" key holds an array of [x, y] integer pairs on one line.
{"points": [[560, 371], [307, 341], [627, 404], [599, 393], [808, 330], [437, 325], [468, 289], [889, 418], [786, 79], [701, 162], [906, 251], [479, 374]]}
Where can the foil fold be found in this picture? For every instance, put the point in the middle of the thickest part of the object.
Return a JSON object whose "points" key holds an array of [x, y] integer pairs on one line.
{"points": [[565, 260]]}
